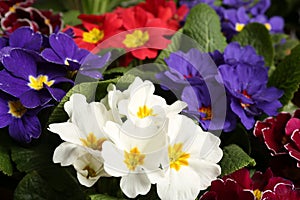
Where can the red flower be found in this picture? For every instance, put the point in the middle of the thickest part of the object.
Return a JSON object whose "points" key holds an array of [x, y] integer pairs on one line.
{"points": [[282, 191], [272, 132], [293, 129], [239, 185], [95, 29], [166, 11], [11, 5], [43, 21], [145, 35]]}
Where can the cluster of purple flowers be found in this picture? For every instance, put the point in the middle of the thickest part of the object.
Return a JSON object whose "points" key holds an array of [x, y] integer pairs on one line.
{"points": [[195, 77], [34, 68], [235, 14]]}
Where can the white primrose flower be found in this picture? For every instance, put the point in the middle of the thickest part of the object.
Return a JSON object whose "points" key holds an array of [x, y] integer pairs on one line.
{"points": [[193, 155], [147, 111], [89, 167], [136, 159], [84, 137]]}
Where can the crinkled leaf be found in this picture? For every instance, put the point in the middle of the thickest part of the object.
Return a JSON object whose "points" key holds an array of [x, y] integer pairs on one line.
{"points": [[5, 162], [172, 47], [287, 75], [258, 36], [93, 91], [203, 25], [31, 187], [102, 197], [234, 158]]}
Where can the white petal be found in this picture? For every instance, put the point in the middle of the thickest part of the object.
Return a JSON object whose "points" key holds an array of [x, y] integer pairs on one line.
{"points": [[135, 184], [180, 185], [75, 98], [207, 171], [67, 132], [175, 108], [92, 162], [113, 160], [67, 153]]}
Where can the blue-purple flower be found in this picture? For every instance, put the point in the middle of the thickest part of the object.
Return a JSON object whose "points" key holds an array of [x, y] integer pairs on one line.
{"points": [[64, 51], [249, 94], [208, 107], [192, 3], [23, 122], [191, 68], [33, 82], [274, 24]]}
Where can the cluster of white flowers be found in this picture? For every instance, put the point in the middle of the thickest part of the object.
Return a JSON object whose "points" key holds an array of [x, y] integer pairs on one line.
{"points": [[136, 135]]}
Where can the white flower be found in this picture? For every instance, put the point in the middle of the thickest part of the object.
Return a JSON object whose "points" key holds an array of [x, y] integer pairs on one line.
{"points": [[145, 112], [89, 167], [193, 155], [134, 159], [84, 137]]}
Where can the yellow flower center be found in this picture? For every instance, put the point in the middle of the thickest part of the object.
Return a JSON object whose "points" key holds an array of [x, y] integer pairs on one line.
{"points": [[47, 21], [239, 27], [136, 39], [16, 109], [177, 157], [268, 26], [258, 194], [91, 172], [207, 112], [38, 83], [92, 142], [93, 36], [144, 111], [133, 159]]}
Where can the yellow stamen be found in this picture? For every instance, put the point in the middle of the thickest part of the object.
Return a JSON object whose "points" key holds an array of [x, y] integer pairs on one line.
{"points": [[144, 111], [91, 172], [258, 194], [177, 157], [136, 39], [239, 27], [38, 83], [12, 9], [207, 112], [93, 36], [133, 159], [268, 26], [92, 142], [47, 21], [16, 109]]}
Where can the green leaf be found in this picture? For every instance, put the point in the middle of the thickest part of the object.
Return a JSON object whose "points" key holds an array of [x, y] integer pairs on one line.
{"points": [[290, 107], [172, 47], [32, 187], [5, 162], [234, 158], [287, 75], [93, 91], [203, 25], [103, 197], [70, 17], [258, 36]]}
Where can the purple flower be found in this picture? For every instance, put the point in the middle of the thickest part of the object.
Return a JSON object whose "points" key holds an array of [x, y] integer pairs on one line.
{"points": [[23, 122], [191, 68], [64, 51], [237, 3], [192, 3], [31, 81], [250, 97], [207, 107], [274, 24], [260, 7], [233, 21], [235, 53]]}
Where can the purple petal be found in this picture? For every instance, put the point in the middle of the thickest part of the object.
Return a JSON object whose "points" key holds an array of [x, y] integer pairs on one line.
{"points": [[20, 64], [56, 93], [93, 73], [25, 128], [33, 99], [248, 121], [12, 85], [26, 38], [5, 120], [50, 55], [277, 24]]}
